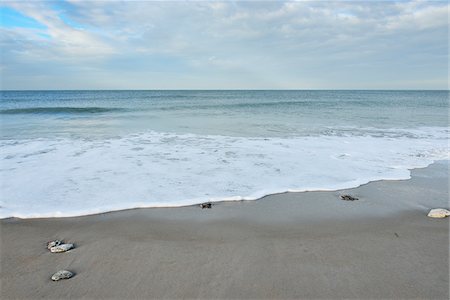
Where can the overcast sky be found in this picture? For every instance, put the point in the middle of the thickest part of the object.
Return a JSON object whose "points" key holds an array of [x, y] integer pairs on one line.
{"points": [[224, 45]]}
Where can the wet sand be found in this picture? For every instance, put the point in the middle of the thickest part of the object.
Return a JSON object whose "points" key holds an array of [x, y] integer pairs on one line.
{"points": [[293, 245]]}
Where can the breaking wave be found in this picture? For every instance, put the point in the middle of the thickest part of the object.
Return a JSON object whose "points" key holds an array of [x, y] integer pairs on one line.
{"points": [[59, 110], [72, 177]]}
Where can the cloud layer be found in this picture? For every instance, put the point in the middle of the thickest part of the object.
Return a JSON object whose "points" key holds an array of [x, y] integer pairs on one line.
{"points": [[224, 45]]}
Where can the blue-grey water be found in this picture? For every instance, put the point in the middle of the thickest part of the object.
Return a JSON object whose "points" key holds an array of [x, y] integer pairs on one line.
{"points": [[232, 113], [77, 152]]}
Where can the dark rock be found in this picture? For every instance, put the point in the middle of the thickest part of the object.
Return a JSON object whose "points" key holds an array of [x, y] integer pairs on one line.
{"points": [[205, 205], [348, 198]]}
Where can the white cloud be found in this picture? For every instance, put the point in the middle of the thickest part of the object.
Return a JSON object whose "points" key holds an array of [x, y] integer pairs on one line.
{"points": [[423, 18], [65, 41], [325, 43]]}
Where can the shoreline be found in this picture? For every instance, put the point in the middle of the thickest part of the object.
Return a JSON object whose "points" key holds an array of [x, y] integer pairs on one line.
{"points": [[161, 169], [225, 200], [289, 245]]}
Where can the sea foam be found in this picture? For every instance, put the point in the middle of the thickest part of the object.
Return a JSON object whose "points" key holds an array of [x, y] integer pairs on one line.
{"points": [[71, 177]]}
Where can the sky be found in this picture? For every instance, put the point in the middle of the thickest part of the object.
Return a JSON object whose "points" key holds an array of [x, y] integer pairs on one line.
{"points": [[224, 45]]}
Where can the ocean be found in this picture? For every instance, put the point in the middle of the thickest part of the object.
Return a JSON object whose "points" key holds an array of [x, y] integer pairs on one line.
{"points": [[71, 153]]}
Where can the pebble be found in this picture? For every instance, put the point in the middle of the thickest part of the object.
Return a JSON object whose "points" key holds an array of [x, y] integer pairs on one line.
{"points": [[62, 274], [61, 248]]}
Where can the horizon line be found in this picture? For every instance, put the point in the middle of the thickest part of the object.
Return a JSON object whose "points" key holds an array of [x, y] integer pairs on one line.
{"points": [[62, 90]]}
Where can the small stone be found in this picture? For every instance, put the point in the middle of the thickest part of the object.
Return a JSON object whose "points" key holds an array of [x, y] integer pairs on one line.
{"points": [[439, 213], [61, 248], [205, 205], [53, 244], [348, 198], [62, 274]]}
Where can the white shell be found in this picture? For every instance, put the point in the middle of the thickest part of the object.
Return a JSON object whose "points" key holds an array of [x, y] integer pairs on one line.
{"points": [[61, 248], [438, 213], [53, 244], [62, 274]]}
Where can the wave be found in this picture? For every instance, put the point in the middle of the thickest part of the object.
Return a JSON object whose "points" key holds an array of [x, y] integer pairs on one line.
{"points": [[59, 110], [70, 177], [249, 105]]}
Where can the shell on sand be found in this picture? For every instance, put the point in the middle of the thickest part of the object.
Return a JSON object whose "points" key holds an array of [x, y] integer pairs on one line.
{"points": [[439, 213], [61, 248], [62, 274], [53, 244]]}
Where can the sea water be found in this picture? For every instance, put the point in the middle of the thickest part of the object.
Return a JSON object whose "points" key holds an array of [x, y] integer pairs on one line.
{"points": [[69, 153]]}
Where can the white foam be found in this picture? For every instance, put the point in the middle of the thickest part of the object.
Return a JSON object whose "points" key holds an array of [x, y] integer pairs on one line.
{"points": [[72, 177]]}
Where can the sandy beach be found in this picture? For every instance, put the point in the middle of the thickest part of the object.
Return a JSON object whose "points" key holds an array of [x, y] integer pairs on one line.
{"points": [[224, 150], [308, 245]]}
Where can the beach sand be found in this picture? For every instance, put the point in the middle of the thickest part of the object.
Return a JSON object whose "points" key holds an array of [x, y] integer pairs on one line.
{"points": [[292, 245]]}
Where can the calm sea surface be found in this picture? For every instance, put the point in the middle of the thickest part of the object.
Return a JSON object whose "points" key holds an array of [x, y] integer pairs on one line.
{"points": [[70, 153]]}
